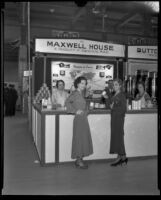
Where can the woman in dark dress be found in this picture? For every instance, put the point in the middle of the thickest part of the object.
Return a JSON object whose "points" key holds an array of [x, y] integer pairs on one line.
{"points": [[118, 110], [82, 142]]}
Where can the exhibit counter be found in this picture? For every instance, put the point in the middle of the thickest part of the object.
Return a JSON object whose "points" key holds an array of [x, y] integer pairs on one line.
{"points": [[52, 132]]}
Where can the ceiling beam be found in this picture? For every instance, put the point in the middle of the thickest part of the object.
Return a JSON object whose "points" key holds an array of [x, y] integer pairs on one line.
{"points": [[57, 21], [49, 5], [80, 12], [126, 19], [66, 26]]}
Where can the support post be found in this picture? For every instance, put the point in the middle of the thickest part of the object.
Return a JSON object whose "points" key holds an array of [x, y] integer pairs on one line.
{"points": [[29, 67], [117, 67], [44, 69]]}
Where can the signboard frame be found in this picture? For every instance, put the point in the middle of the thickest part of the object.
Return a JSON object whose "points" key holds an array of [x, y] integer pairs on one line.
{"points": [[78, 47], [142, 52]]}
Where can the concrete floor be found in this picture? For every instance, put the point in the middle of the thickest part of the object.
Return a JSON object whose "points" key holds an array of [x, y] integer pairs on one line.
{"points": [[24, 176]]}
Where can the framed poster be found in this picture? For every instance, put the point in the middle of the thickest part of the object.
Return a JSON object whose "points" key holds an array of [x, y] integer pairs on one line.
{"points": [[96, 74]]}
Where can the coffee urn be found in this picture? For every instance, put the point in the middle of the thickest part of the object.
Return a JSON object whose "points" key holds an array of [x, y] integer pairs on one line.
{"points": [[125, 84], [147, 83], [154, 85], [133, 92], [144, 75], [129, 86], [139, 75]]}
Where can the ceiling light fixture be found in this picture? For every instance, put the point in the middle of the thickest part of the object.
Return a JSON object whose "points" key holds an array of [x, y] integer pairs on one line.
{"points": [[52, 10], [95, 11], [97, 7]]}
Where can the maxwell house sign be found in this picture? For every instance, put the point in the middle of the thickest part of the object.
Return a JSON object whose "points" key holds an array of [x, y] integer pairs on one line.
{"points": [[79, 47], [146, 52]]}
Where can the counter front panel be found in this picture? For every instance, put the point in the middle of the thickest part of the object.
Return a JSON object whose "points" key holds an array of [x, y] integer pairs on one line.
{"points": [[54, 131], [141, 134], [50, 138]]}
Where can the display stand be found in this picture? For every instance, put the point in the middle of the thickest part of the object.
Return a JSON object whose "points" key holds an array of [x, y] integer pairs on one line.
{"points": [[52, 130], [141, 57]]}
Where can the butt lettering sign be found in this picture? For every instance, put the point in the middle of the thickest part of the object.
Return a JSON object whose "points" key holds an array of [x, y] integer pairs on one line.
{"points": [[145, 52], [79, 47]]}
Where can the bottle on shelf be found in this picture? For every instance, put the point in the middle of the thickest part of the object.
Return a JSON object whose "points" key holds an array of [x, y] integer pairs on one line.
{"points": [[49, 103], [44, 103], [129, 103], [91, 105], [72, 89]]}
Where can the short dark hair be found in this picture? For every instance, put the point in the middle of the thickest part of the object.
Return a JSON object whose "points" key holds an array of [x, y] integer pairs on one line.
{"points": [[141, 83], [118, 80], [78, 80], [60, 81]]}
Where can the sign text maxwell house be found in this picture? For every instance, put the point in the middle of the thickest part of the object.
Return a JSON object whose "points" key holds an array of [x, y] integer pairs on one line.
{"points": [[79, 47]]}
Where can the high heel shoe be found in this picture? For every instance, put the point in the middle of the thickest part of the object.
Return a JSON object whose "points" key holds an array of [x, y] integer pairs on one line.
{"points": [[80, 165], [119, 162], [124, 161]]}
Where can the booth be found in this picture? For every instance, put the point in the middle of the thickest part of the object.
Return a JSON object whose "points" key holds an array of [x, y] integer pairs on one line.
{"points": [[142, 57], [99, 61], [142, 61]]}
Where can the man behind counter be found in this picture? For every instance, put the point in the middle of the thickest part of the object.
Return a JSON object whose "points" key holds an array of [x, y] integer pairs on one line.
{"points": [[108, 91]]}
